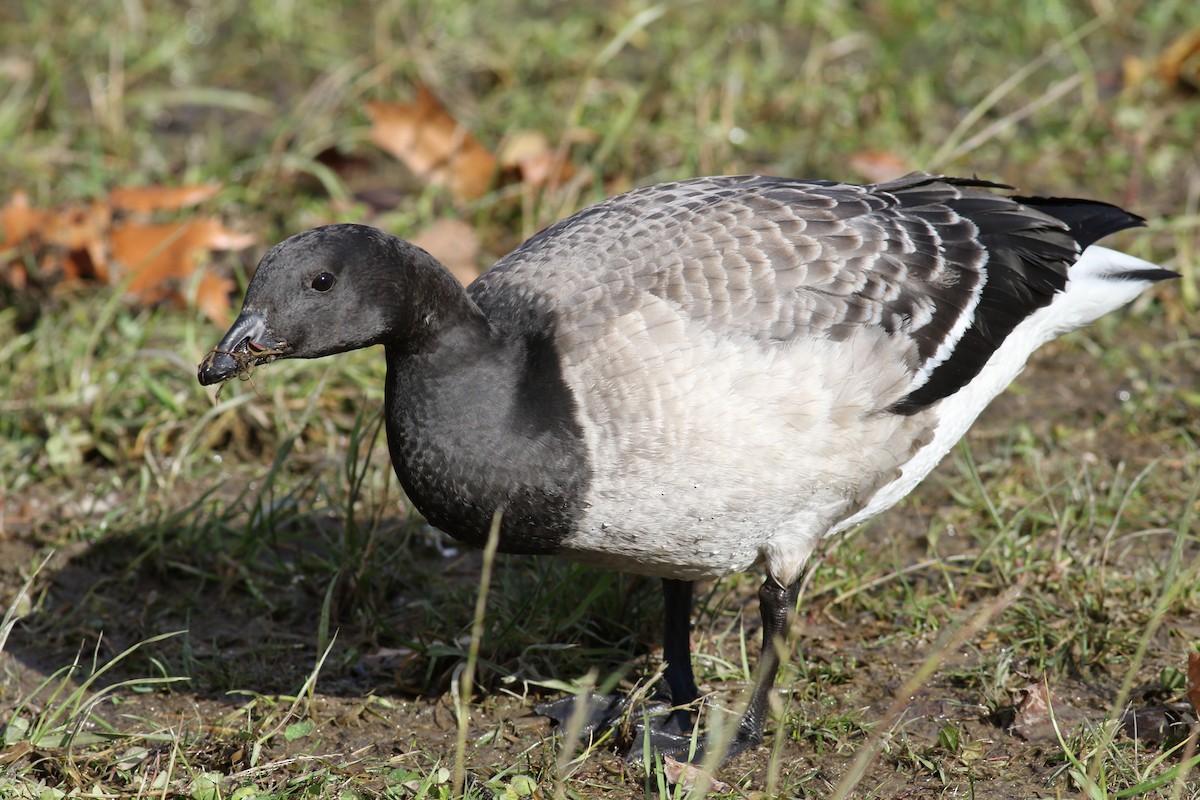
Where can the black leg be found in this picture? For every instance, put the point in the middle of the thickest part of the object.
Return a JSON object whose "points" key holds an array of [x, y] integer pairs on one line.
{"points": [[675, 737], [677, 649], [774, 603], [669, 733]]}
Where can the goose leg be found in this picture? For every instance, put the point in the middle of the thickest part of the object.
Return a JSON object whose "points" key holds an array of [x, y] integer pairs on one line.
{"points": [[670, 731], [774, 603], [674, 736], [677, 651]]}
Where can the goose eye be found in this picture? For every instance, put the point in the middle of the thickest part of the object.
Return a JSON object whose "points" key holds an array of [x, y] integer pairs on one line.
{"points": [[323, 282]]}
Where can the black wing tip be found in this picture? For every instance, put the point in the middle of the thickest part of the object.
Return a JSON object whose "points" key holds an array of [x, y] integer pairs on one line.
{"points": [[1088, 221], [1150, 275]]}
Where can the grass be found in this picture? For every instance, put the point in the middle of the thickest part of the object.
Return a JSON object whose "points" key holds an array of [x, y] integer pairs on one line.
{"points": [[326, 633]]}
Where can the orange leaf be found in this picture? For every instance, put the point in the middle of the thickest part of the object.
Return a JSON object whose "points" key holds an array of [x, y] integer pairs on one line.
{"points": [[539, 164], [432, 144], [453, 243], [19, 220], [879, 166], [75, 241], [1179, 65], [144, 199], [70, 241], [212, 297], [82, 231], [158, 257]]}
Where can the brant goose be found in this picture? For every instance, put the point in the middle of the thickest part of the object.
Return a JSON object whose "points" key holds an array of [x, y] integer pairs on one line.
{"points": [[695, 378]]}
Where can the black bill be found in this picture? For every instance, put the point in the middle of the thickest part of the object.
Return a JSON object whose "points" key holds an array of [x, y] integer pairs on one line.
{"points": [[247, 344]]}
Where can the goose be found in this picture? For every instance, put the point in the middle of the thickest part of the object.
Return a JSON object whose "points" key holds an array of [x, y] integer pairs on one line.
{"points": [[696, 378]]}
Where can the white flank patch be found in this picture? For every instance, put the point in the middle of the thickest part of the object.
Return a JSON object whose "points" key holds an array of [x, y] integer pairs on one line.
{"points": [[1094, 289]]}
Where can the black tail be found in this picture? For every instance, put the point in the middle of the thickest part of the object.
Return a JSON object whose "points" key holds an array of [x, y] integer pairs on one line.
{"points": [[1089, 221]]}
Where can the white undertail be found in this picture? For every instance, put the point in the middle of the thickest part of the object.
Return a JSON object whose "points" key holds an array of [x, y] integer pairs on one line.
{"points": [[1101, 281]]}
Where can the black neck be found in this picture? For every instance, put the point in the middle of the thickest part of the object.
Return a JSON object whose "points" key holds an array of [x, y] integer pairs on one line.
{"points": [[479, 422]]}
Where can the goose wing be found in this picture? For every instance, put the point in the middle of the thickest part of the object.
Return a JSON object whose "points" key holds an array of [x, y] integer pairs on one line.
{"points": [[950, 264]]}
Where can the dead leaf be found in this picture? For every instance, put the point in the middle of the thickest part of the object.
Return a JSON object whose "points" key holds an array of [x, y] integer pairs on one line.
{"points": [[687, 776], [145, 199], [1179, 65], [153, 253], [1193, 681], [1039, 711], [159, 257], [81, 230], [70, 241], [433, 144], [19, 220], [212, 297], [81, 240], [15, 752], [530, 154], [78, 229], [879, 166], [454, 243]]}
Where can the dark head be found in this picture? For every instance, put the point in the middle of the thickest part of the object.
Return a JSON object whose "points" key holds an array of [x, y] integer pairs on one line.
{"points": [[327, 290]]}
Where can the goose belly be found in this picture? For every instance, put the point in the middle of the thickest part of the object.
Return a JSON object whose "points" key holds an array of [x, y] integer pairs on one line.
{"points": [[710, 454]]}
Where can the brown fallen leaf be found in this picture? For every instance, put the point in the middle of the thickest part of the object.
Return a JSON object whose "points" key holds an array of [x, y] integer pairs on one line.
{"points": [[15, 751], [879, 166], [158, 257], [145, 199], [530, 154], [153, 253], [1039, 712], [433, 144], [81, 230], [212, 297], [454, 243], [81, 241], [68, 242], [19, 220], [1179, 64], [687, 776]]}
